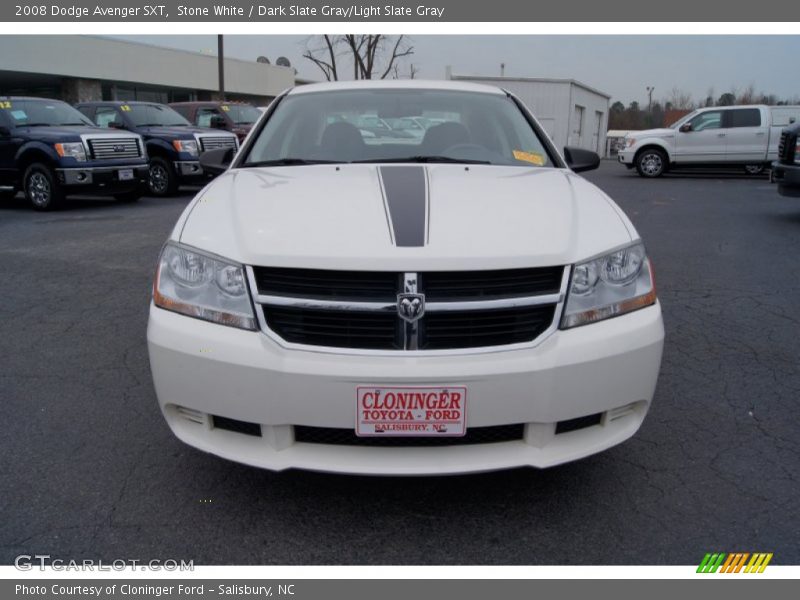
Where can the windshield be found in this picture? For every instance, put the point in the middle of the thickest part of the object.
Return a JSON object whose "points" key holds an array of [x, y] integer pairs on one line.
{"points": [[398, 125], [144, 115], [242, 114], [39, 113]]}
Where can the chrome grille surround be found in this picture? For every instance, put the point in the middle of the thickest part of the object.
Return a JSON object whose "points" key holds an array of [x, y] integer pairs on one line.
{"points": [[410, 331], [212, 142], [111, 147]]}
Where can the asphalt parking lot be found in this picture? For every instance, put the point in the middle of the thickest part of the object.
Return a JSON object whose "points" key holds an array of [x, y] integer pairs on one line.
{"points": [[90, 469]]}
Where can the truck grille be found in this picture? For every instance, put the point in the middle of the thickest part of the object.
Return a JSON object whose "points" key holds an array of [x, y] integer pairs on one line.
{"points": [[359, 309], [210, 142], [112, 148], [786, 147]]}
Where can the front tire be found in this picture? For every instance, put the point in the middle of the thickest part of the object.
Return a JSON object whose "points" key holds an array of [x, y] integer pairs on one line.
{"points": [[162, 181], [41, 188], [651, 163]]}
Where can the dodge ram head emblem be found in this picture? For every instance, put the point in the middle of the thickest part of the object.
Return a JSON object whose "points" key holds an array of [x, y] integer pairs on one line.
{"points": [[410, 307]]}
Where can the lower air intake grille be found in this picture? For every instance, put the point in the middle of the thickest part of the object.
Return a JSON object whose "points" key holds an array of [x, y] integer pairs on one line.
{"points": [[579, 423], [347, 437], [236, 426]]}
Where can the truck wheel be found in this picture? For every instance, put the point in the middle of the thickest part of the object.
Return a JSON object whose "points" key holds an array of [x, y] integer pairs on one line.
{"points": [[651, 163], [131, 196], [162, 180], [754, 169], [41, 188]]}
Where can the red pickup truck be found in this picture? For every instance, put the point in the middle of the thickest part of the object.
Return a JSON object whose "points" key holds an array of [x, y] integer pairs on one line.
{"points": [[236, 117]]}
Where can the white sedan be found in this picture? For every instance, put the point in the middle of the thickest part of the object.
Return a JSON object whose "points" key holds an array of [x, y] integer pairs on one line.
{"points": [[346, 303]]}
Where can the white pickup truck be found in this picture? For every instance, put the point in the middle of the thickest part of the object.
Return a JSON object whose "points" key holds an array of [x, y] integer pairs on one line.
{"points": [[744, 136]]}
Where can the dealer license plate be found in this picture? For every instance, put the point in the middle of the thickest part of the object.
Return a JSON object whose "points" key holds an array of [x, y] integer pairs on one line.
{"points": [[125, 174], [411, 411]]}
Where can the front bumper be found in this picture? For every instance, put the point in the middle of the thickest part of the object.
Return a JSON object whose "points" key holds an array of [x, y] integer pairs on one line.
{"points": [[202, 369], [101, 179], [626, 157], [788, 179], [189, 169]]}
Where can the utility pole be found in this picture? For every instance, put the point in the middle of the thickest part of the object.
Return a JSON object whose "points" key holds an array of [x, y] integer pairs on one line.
{"points": [[221, 67], [650, 89], [502, 69]]}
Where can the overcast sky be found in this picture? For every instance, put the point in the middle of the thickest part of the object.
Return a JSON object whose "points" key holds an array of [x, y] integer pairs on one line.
{"points": [[622, 66]]}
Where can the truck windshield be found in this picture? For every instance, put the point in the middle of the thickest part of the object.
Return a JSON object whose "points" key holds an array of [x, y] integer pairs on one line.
{"points": [[242, 114], [399, 125], [42, 113], [152, 115]]}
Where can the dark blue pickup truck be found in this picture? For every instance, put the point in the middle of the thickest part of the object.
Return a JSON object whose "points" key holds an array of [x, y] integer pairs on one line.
{"points": [[173, 144], [49, 150]]}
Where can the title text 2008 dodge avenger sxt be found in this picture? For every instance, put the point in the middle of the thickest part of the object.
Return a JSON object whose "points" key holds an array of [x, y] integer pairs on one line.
{"points": [[403, 278]]}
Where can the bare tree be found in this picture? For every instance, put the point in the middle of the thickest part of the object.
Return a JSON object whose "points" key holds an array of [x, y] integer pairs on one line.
{"points": [[747, 96], [323, 53], [413, 71], [371, 56], [679, 99]]}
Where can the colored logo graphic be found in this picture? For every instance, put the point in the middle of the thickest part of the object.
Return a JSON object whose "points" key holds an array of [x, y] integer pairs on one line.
{"points": [[735, 562]]}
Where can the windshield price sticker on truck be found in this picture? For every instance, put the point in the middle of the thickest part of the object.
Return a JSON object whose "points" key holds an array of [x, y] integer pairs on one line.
{"points": [[411, 411]]}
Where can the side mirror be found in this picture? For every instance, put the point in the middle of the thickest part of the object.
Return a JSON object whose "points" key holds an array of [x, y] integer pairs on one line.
{"points": [[116, 125], [686, 128], [580, 160], [218, 122], [216, 161], [4, 131]]}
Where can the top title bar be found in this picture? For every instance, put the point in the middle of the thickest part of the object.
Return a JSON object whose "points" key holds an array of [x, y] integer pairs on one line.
{"points": [[396, 11]]}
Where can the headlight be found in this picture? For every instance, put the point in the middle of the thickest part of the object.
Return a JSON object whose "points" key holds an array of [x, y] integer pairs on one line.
{"points": [[608, 286], [73, 149], [187, 146], [197, 284], [797, 153], [630, 142]]}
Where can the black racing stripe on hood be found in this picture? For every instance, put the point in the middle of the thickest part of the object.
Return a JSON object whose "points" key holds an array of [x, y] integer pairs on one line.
{"points": [[405, 192]]}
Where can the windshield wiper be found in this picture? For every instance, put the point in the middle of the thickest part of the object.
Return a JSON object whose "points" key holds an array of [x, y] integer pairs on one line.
{"points": [[426, 159], [289, 162], [37, 125], [75, 125]]}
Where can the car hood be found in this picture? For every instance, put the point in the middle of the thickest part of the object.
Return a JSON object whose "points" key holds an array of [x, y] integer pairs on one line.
{"points": [[67, 134], [337, 217], [177, 132], [649, 133]]}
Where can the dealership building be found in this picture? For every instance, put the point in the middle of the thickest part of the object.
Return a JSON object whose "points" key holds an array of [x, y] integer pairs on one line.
{"points": [[572, 113], [80, 68]]}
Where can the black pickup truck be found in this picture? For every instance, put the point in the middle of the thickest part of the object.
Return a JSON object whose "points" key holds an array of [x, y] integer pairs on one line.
{"points": [[173, 144], [786, 170], [49, 150]]}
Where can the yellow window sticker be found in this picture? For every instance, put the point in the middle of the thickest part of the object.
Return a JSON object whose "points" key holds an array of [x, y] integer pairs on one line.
{"points": [[125, 108], [531, 157], [225, 107], [5, 104]]}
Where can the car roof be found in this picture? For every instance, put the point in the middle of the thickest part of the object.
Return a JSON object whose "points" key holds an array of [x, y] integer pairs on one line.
{"points": [[403, 84], [118, 102]]}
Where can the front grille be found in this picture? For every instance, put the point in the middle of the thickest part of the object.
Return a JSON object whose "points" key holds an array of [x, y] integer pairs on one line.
{"points": [[359, 309], [110, 148], [483, 328], [209, 142], [327, 285], [485, 285], [786, 147], [347, 437], [342, 329]]}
